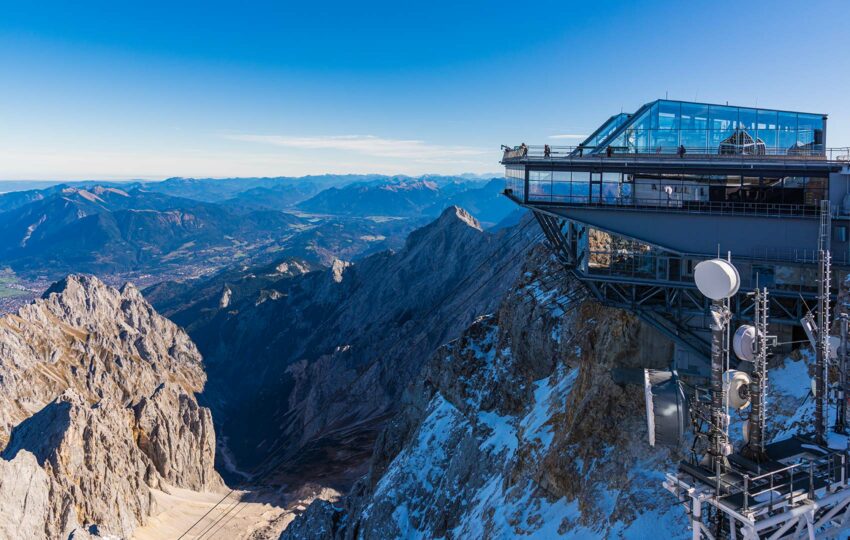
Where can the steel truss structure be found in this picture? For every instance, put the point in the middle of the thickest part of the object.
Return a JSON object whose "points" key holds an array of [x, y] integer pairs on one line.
{"points": [[676, 309], [774, 505]]}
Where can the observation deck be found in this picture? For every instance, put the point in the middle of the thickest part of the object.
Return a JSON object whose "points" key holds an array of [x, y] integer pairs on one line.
{"points": [[633, 208]]}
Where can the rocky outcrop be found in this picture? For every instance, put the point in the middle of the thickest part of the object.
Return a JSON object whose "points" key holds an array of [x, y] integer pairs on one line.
{"points": [[178, 438], [98, 408], [24, 497], [99, 341], [98, 474]]}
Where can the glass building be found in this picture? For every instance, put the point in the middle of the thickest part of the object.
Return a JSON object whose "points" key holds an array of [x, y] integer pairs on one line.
{"points": [[684, 156], [665, 127]]}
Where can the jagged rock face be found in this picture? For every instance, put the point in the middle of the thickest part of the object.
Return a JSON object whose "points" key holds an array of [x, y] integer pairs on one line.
{"points": [[93, 461], [517, 429], [25, 504], [98, 400], [90, 337], [331, 351], [177, 436]]}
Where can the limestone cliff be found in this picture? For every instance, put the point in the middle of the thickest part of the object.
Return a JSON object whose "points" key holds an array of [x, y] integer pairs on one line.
{"points": [[98, 407]]}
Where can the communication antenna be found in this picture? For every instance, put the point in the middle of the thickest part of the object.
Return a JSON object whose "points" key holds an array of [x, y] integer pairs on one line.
{"points": [[752, 343], [718, 280], [841, 394], [822, 350], [667, 410]]}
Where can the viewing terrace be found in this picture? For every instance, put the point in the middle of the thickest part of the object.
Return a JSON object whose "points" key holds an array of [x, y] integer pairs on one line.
{"points": [[539, 153], [768, 182]]}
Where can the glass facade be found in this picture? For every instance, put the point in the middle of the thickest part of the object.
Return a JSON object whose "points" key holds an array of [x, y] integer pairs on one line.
{"points": [[603, 133], [515, 180], [699, 192], [665, 126]]}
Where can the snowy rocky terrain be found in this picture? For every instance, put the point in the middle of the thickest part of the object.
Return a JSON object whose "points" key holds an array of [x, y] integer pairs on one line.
{"points": [[517, 429]]}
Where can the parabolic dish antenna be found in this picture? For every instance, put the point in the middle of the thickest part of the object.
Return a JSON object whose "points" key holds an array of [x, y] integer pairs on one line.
{"points": [[736, 384], [744, 341], [717, 279], [666, 408]]}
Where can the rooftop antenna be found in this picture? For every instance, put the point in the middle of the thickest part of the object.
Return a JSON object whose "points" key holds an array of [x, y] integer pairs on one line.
{"points": [[841, 404], [752, 343], [822, 350], [718, 280]]}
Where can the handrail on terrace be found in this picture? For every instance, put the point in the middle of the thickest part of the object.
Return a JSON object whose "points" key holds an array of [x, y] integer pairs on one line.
{"points": [[724, 151], [827, 466]]}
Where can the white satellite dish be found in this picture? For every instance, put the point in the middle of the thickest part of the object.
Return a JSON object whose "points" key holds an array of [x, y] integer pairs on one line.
{"points": [[745, 428], [717, 279], [736, 384], [744, 342]]}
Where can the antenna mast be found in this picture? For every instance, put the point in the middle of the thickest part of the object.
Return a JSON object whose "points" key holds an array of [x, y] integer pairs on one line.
{"points": [[824, 267], [841, 394], [758, 388]]}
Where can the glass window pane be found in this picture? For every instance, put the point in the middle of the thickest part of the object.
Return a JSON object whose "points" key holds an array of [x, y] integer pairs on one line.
{"points": [[767, 129], [580, 190], [665, 141], [643, 121], [611, 177], [723, 118], [787, 136], [668, 115], [694, 117], [809, 129], [722, 124], [747, 120], [693, 140], [610, 193], [561, 191]]}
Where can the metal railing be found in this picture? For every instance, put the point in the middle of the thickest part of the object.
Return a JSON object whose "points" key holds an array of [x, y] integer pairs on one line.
{"points": [[723, 152], [783, 485], [679, 205]]}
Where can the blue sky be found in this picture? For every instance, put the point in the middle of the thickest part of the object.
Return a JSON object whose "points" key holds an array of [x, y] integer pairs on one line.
{"points": [[156, 89]]}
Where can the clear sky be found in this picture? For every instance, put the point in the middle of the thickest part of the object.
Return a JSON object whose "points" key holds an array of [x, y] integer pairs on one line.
{"points": [[152, 89]]}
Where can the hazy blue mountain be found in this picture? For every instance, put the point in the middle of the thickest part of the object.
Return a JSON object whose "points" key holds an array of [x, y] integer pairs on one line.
{"points": [[486, 203], [105, 229], [221, 189], [426, 197], [275, 197]]}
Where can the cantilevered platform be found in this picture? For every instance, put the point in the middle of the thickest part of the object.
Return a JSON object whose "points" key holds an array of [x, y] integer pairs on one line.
{"points": [[634, 207]]}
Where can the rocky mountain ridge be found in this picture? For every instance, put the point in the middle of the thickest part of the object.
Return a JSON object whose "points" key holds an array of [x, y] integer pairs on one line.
{"points": [[98, 408], [332, 350]]}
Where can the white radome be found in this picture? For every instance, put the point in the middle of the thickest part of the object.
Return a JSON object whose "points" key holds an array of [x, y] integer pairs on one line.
{"points": [[744, 341], [734, 382], [717, 278]]}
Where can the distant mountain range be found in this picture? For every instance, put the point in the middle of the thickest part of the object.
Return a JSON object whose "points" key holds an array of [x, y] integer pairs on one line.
{"points": [[413, 197], [105, 229], [189, 227]]}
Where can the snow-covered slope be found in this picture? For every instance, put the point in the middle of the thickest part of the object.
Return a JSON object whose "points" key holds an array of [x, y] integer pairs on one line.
{"points": [[517, 429]]}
